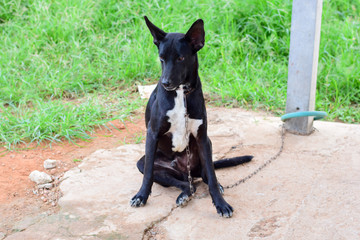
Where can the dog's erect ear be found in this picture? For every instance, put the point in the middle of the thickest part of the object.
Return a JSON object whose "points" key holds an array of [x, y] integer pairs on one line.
{"points": [[196, 35], [156, 32]]}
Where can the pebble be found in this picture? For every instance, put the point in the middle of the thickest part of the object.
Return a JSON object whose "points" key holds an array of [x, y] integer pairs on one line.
{"points": [[40, 177], [2, 235], [49, 164]]}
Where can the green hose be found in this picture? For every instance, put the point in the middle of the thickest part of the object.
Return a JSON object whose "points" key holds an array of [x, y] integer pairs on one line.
{"points": [[316, 114]]}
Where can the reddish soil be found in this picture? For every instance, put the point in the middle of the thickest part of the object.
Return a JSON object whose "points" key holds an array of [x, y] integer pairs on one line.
{"points": [[17, 199]]}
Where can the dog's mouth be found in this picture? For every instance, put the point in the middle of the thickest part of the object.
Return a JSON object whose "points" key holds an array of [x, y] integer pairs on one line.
{"points": [[185, 87], [169, 89]]}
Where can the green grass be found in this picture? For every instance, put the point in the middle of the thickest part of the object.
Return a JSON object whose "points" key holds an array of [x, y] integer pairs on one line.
{"points": [[58, 58], [56, 120]]}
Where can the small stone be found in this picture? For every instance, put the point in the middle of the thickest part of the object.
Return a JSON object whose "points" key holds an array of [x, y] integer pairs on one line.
{"points": [[40, 177], [45, 186], [49, 164], [2, 235]]}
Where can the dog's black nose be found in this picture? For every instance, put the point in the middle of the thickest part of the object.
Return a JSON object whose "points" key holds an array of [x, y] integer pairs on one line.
{"points": [[165, 83]]}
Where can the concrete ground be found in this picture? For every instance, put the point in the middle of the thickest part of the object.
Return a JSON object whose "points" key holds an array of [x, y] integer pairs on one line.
{"points": [[312, 191]]}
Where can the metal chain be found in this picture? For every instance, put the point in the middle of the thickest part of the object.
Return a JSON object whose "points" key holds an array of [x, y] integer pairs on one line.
{"points": [[187, 134], [243, 180]]}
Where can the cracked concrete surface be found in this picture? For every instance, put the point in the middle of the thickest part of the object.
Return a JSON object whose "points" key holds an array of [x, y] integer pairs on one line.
{"points": [[312, 191]]}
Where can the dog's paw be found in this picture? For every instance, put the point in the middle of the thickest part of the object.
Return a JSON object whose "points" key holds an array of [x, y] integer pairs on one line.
{"points": [[224, 210], [182, 199], [138, 201]]}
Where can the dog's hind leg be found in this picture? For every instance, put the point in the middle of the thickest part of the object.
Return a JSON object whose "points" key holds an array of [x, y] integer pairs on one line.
{"points": [[141, 164], [165, 179], [166, 176]]}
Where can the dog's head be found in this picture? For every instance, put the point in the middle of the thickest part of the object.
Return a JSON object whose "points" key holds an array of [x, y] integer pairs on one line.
{"points": [[178, 53]]}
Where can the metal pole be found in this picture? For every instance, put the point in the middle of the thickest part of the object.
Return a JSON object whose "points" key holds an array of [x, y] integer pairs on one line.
{"points": [[303, 62]]}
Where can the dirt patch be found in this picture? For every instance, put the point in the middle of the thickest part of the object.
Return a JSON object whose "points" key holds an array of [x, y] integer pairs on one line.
{"points": [[17, 199]]}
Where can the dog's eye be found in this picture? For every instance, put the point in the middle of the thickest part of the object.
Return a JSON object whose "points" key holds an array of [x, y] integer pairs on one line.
{"points": [[180, 59], [161, 59]]}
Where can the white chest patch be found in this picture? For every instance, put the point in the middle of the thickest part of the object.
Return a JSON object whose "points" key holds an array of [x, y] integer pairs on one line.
{"points": [[180, 137]]}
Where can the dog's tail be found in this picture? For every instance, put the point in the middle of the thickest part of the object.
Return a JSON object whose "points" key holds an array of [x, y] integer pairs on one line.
{"points": [[231, 162]]}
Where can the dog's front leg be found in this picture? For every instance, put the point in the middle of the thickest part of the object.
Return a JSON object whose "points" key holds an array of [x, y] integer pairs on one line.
{"points": [[205, 151], [150, 149]]}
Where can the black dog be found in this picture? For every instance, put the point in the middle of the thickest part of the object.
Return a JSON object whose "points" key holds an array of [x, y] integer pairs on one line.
{"points": [[170, 133]]}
